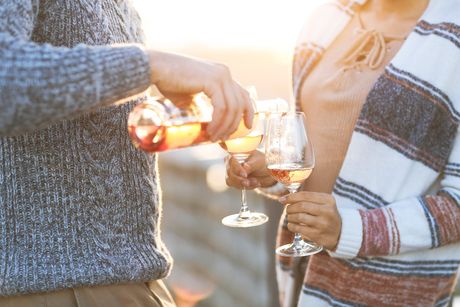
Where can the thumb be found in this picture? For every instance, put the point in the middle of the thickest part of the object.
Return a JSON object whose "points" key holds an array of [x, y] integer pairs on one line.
{"points": [[247, 167], [251, 164]]}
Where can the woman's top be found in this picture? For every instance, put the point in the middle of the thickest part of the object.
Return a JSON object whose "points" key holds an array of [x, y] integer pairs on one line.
{"points": [[335, 90], [398, 190], [79, 205]]}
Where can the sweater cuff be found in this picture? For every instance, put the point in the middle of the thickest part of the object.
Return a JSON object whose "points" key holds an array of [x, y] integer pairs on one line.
{"points": [[351, 236], [124, 71]]}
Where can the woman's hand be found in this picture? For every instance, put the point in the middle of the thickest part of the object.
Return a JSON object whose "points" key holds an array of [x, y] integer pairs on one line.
{"points": [[176, 75], [252, 174], [315, 216]]}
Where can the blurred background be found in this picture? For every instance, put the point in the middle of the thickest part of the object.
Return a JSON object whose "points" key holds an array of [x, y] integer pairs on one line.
{"points": [[215, 265]]}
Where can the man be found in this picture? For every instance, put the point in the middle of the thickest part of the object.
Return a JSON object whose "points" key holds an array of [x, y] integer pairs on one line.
{"points": [[79, 206]]}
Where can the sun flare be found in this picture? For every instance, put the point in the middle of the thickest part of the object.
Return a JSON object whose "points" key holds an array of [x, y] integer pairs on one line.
{"points": [[238, 23]]}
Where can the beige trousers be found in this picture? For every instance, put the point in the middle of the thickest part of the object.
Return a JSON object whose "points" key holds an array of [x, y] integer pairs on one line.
{"points": [[151, 294]]}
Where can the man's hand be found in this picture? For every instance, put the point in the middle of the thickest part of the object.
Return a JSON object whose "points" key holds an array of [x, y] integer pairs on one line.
{"points": [[252, 174], [315, 216], [178, 75]]}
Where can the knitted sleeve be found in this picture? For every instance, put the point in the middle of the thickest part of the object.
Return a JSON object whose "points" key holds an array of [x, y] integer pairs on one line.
{"points": [[399, 191], [41, 84], [417, 223]]}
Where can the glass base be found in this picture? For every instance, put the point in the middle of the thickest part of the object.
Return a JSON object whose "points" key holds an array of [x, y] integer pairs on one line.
{"points": [[253, 219], [300, 249]]}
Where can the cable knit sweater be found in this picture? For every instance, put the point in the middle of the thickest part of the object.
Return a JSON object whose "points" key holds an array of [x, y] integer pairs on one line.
{"points": [[79, 205]]}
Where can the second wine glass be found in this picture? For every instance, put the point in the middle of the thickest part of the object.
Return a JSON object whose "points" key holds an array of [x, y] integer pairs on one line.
{"points": [[240, 149], [290, 160]]}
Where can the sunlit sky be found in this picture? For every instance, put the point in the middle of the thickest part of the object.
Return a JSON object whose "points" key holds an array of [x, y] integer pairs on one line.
{"points": [[172, 24]]}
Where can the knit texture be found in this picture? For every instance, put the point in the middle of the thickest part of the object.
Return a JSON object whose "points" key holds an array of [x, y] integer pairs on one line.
{"points": [[79, 205]]}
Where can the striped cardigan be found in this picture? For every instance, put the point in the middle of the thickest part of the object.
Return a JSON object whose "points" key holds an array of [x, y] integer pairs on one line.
{"points": [[398, 192]]}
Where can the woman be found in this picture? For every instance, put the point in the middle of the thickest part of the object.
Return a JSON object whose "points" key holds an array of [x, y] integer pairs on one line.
{"points": [[378, 81], [79, 205]]}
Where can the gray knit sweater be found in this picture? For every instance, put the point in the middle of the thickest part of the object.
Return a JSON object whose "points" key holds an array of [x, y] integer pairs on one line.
{"points": [[79, 205]]}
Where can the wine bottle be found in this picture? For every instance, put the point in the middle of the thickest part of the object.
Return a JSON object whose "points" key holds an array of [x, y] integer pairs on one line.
{"points": [[158, 124]]}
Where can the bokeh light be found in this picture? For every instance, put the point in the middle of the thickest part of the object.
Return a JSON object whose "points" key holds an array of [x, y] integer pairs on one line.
{"points": [[215, 177]]}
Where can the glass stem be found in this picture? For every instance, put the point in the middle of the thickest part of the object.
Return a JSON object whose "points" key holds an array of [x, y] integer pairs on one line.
{"points": [[297, 242], [244, 211]]}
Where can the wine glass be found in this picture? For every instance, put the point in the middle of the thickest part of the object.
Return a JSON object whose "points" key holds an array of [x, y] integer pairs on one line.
{"points": [[240, 149], [290, 160]]}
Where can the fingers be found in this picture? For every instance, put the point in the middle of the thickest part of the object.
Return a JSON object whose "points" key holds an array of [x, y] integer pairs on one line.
{"points": [[307, 232], [255, 162], [246, 105], [312, 197], [235, 181], [218, 102], [241, 182], [240, 177], [256, 168], [230, 102], [305, 208], [237, 176], [248, 108], [234, 167], [252, 183], [328, 237], [234, 111], [302, 218], [228, 111], [320, 223]]}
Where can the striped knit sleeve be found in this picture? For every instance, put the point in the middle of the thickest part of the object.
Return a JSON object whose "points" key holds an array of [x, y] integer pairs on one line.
{"points": [[414, 224], [373, 226], [41, 84], [417, 223], [421, 222]]}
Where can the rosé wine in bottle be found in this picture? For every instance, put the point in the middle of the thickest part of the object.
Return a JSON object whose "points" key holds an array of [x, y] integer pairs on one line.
{"points": [[158, 125]]}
